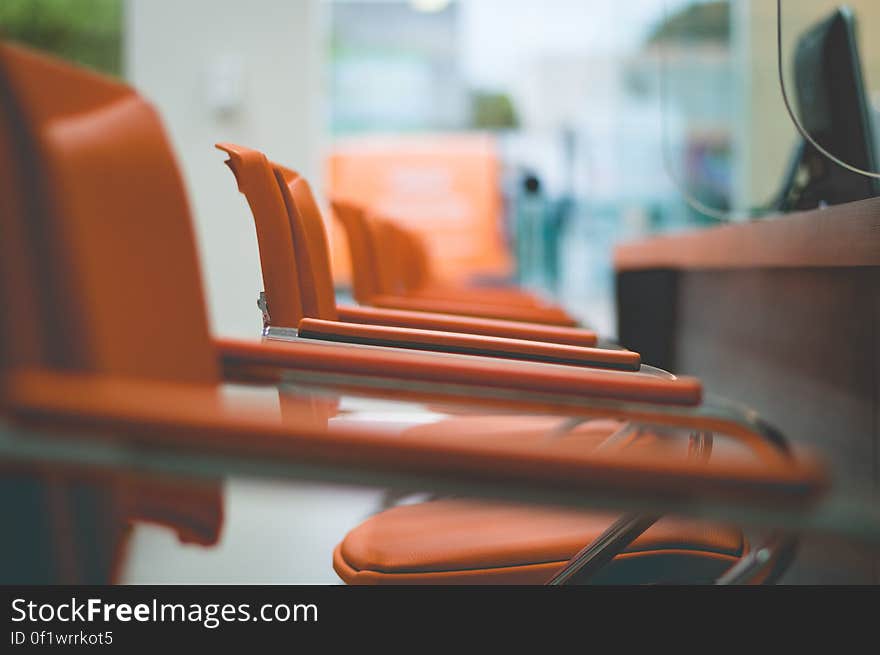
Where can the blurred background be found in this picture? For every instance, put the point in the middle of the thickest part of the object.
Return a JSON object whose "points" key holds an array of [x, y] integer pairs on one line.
{"points": [[522, 138]]}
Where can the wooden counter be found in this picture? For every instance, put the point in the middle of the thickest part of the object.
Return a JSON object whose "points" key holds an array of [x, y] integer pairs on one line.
{"points": [[783, 315]]}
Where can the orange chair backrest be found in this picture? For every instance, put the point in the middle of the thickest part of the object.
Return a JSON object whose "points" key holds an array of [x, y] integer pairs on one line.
{"points": [[408, 267], [420, 269], [387, 255], [310, 244], [365, 282], [384, 254], [284, 290], [113, 276]]}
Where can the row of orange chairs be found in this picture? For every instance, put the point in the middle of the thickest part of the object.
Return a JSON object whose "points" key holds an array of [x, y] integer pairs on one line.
{"points": [[391, 268], [109, 335], [300, 291]]}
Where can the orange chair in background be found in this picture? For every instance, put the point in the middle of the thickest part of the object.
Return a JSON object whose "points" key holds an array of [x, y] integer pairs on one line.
{"points": [[376, 281], [442, 188], [406, 269]]}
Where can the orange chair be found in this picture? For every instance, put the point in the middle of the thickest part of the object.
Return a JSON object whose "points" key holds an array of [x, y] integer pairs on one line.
{"points": [[375, 283], [405, 269], [104, 341], [295, 260], [49, 335]]}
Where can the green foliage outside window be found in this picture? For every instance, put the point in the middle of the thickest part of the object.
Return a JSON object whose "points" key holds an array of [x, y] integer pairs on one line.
{"points": [[492, 111], [88, 32], [699, 22]]}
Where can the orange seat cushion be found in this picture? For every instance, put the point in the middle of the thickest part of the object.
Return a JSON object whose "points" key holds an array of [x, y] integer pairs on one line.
{"points": [[459, 541]]}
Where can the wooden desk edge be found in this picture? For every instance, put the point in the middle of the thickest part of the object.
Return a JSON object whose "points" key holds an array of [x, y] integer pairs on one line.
{"points": [[841, 236]]}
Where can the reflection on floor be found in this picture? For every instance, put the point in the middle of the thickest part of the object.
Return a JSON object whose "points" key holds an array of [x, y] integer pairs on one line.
{"points": [[274, 533]]}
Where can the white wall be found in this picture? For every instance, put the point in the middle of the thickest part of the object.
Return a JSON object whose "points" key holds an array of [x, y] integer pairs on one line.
{"points": [[172, 47]]}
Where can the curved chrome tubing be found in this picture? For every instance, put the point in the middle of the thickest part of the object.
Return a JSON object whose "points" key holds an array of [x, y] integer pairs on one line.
{"points": [[593, 557], [763, 565]]}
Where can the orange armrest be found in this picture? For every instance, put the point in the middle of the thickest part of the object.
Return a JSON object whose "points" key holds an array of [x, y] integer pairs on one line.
{"points": [[544, 315], [468, 325], [468, 344], [501, 374], [192, 418]]}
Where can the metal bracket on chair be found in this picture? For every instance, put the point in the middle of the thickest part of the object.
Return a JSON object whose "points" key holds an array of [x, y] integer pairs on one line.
{"points": [[280, 333], [263, 306], [270, 331]]}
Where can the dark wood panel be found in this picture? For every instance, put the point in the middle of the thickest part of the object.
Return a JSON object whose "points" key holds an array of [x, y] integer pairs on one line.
{"points": [[876, 363], [646, 314], [876, 415], [797, 345], [801, 346]]}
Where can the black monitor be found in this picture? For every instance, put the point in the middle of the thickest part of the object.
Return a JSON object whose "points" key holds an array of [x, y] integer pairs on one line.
{"points": [[833, 109]]}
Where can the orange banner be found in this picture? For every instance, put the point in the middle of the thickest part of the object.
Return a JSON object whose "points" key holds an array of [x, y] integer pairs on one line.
{"points": [[446, 187]]}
